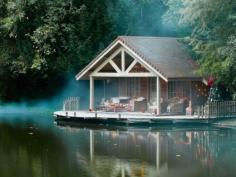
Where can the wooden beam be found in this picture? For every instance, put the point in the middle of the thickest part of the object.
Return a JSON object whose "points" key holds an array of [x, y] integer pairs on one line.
{"points": [[123, 60], [131, 66], [91, 93], [115, 66], [107, 61], [142, 61], [158, 95], [78, 76], [103, 74], [129, 51], [205, 81]]}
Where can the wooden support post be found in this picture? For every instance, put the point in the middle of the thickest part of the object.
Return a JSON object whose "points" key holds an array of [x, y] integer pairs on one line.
{"points": [[122, 60], [91, 95], [158, 95]]}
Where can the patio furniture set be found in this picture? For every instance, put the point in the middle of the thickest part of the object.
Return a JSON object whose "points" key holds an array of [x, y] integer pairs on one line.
{"points": [[140, 104]]}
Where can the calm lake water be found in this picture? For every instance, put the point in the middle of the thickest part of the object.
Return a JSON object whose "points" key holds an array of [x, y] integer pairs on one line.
{"points": [[34, 146]]}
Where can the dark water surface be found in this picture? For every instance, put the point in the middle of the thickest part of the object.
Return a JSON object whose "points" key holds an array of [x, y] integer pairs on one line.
{"points": [[34, 146]]}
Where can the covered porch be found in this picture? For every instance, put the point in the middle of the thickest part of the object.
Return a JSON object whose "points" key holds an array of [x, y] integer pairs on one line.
{"points": [[146, 94], [140, 74], [126, 80], [139, 94]]}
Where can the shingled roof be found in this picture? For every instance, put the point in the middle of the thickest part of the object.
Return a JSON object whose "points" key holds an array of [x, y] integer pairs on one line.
{"points": [[167, 55]]}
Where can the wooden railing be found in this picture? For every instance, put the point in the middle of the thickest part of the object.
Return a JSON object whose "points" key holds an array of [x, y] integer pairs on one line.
{"points": [[217, 109], [71, 104]]}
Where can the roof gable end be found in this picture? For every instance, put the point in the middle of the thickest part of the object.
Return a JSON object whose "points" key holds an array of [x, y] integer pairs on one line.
{"points": [[114, 44], [165, 56]]}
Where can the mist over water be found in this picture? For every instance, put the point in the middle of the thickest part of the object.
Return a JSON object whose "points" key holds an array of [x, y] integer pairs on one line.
{"points": [[73, 88], [130, 18], [34, 147]]}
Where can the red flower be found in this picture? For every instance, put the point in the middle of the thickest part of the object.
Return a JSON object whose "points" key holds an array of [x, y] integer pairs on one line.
{"points": [[210, 81]]}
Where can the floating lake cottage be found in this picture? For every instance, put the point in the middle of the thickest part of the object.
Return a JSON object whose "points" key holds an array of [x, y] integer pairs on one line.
{"points": [[153, 79]]}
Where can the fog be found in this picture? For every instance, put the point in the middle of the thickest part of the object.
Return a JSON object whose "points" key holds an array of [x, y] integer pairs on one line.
{"points": [[73, 88], [151, 22]]}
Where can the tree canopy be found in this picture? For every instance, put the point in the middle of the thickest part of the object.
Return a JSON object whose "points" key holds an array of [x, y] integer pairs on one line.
{"points": [[41, 41], [212, 36]]}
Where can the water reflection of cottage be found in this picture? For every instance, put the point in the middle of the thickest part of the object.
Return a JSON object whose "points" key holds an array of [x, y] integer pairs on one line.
{"points": [[145, 153], [156, 70]]}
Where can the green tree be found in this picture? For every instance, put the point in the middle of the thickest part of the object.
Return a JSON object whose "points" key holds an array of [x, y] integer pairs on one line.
{"points": [[42, 40], [171, 18], [137, 17], [213, 36]]}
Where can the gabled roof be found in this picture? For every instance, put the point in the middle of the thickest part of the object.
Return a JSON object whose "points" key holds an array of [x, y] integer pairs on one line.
{"points": [[165, 55]]}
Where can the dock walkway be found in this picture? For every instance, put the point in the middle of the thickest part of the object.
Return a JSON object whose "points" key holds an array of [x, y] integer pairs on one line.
{"points": [[119, 115], [125, 118]]}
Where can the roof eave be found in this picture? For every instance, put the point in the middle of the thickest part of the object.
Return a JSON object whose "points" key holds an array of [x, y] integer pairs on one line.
{"points": [[107, 49], [95, 60]]}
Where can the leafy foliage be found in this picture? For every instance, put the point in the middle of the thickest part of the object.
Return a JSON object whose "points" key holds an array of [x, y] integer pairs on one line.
{"points": [[213, 37], [218, 93], [43, 40], [137, 17]]}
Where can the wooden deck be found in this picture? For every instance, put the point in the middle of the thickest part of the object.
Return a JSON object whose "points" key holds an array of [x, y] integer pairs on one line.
{"points": [[212, 112], [128, 118], [118, 115]]}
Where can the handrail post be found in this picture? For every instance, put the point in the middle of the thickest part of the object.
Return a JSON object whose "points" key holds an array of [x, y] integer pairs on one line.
{"points": [[71, 104]]}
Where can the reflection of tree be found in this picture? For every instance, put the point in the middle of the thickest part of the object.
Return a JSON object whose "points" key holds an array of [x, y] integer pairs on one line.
{"points": [[104, 166], [209, 153], [217, 151], [31, 152], [177, 152], [123, 154]]}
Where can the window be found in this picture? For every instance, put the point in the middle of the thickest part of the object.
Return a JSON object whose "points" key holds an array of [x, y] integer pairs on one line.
{"points": [[133, 87], [153, 85], [152, 90], [179, 89], [172, 89], [129, 87]]}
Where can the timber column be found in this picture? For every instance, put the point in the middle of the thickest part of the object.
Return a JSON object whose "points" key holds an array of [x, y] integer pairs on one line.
{"points": [[91, 92], [158, 91]]}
